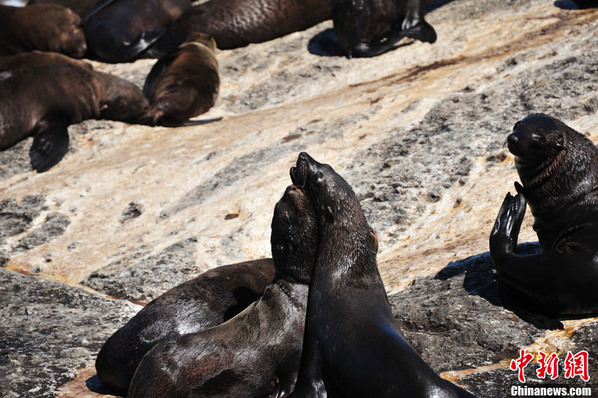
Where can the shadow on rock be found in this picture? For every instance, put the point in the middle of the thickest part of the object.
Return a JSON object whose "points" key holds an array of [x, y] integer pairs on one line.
{"points": [[575, 4]]}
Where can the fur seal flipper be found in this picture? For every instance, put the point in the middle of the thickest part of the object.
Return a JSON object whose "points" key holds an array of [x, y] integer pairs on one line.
{"points": [[49, 146], [558, 168], [352, 346]]}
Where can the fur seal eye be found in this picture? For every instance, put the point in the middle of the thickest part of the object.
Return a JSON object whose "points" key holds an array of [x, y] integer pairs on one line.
{"points": [[516, 125]]}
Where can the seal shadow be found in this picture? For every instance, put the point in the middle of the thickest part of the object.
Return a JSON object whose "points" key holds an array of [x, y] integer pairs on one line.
{"points": [[200, 122], [325, 44], [94, 384], [575, 4]]}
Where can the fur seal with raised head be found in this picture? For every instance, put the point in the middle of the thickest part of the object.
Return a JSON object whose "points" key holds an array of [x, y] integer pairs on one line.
{"points": [[211, 298], [43, 101], [352, 345], [558, 168], [372, 27], [121, 30], [44, 27], [184, 83], [256, 353]]}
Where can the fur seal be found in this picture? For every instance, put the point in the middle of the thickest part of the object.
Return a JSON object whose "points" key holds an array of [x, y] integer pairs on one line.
{"points": [[121, 30], [42, 101], [184, 83], [237, 23], [80, 7], [38, 58], [352, 345], [558, 168], [44, 27], [256, 353], [207, 300], [372, 27]]}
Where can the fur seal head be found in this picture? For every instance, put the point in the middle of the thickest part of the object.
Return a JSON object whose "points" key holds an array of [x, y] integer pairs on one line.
{"points": [[294, 235]]}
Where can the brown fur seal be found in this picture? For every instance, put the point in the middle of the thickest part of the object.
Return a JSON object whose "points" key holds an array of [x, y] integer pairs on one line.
{"points": [[42, 101], [44, 27], [371, 27], [80, 7], [255, 354], [559, 171], [237, 23], [207, 300], [38, 58], [121, 30], [184, 83], [352, 345]]}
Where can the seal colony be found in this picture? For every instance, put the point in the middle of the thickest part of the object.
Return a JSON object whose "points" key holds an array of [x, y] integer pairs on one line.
{"points": [[558, 168]]}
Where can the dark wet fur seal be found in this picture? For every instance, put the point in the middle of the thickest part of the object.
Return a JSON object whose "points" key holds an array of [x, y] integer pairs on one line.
{"points": [[352, 345], [184, 83], [211, 298], [38, 58], [237, 23], [559, 171], [366, 28], [257, 353], [80, 7], [121, 30], [44, 27], [43, 101]]}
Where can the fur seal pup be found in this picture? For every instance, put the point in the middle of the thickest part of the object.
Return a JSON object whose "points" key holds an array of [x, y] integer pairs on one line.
{"points": [[352, 345], [44, 27], [558, 168], [38, 58], [372, 27], [43, 101], [256, 353], [121, 30], [237, 23], [211, 298], [184, 83]]}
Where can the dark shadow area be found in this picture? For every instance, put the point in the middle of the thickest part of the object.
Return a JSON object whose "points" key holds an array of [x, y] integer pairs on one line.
{"points": [[325, 44], [576, 4], [478, 270], [200, 122], [94, 384], [434, 4]]}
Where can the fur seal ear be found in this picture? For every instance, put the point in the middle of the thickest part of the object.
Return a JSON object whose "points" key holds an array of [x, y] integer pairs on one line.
{"points": [[519, 188], [374, 238], [49, 146]]}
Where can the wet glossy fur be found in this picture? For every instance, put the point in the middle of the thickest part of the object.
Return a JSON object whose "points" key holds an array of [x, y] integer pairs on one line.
{"points": [[559, 171], [209, 299], [352, 346], [257, 353]]}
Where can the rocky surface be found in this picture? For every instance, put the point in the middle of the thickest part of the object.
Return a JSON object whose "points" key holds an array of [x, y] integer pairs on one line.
{"points": [[418, 132]]}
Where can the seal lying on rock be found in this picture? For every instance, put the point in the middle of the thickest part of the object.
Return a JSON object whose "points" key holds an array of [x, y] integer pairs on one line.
{"points": [[257, 353], [372, 27], [43, 101], [207, 300], [237, 23], [80, 7], [121, 30], [184, 83], [559, 171], [44, 27], [352, 345], [38, 58]]}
